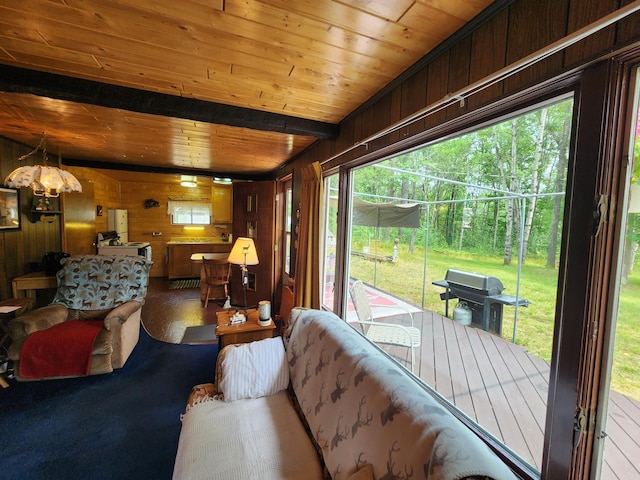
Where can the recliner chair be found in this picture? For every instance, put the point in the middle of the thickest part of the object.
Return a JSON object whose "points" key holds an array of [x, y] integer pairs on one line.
{"points": [[107, 288]]}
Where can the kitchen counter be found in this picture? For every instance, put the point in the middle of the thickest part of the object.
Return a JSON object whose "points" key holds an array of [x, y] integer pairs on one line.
{"points": [[198, 241]]}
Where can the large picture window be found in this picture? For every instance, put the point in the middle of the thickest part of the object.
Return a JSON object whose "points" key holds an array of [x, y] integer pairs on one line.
{"points": [[486, 206], [519, 272]]}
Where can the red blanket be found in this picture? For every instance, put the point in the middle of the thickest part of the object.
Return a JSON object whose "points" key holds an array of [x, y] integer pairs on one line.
{"points": [[62, 350]]}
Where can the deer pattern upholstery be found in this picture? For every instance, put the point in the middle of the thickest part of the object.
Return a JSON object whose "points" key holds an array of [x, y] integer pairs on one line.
{"points": [[105, 287], [100, 282], [363, 409]]}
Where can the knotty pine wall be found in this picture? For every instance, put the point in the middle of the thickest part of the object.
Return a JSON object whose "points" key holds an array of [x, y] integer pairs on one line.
{"points": [[21, 251], [113, 192]]}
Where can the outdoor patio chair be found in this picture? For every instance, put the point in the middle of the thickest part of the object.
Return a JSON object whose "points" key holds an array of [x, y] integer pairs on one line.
{"points": [[383, 332]]}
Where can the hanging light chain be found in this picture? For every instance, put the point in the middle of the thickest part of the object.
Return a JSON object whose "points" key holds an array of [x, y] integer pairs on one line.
{"points": [[41, 146]]}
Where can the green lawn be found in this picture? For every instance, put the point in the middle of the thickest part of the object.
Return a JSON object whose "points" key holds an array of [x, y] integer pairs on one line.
{"points": [[537, 284]]}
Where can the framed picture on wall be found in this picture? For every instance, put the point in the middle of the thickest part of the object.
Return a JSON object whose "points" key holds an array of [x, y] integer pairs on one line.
{"points": [[9, 209]]}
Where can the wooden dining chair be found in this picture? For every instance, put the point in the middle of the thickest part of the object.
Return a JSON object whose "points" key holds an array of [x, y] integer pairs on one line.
{"points": [[216, 274]]}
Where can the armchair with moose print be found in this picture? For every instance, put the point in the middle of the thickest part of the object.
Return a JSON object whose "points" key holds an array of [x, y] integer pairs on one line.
{"points": [[92, 325]]}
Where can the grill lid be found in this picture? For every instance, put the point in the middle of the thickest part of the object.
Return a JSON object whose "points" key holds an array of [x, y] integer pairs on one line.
{"points": [[474, 281]]}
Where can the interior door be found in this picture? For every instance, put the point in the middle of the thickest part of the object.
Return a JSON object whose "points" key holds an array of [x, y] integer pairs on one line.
{"points": [[79, 221]]}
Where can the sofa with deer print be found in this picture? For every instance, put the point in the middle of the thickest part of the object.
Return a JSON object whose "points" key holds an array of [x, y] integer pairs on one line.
{"points": [[323, 402]]}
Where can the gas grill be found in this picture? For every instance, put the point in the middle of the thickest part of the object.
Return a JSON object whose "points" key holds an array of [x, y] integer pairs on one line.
{"points": [[482, 293]]}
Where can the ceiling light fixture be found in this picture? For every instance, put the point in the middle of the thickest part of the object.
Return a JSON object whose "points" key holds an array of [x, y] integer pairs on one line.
{"points": [[188, 181], [44, 180], [222, 181]]}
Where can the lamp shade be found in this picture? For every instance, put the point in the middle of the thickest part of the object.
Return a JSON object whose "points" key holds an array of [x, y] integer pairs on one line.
{"points": [[43, 179], [243, 252]]}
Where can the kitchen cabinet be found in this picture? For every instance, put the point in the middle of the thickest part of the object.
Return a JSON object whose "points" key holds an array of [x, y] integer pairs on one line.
{"points": [[222, 203], [179, 257]]}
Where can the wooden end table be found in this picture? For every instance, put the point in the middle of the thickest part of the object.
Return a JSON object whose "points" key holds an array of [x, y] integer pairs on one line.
{"points": [[24, 285], [246, 332], [5, 341]]}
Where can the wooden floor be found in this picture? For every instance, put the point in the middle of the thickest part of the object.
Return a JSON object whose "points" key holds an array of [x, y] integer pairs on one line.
{"points": [[495, 382], [167, 313]]}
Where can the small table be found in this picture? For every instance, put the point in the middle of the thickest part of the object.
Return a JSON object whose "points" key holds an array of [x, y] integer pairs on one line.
{"points": [[5, 318], [21, 303], [246, 332], [32, 281]]}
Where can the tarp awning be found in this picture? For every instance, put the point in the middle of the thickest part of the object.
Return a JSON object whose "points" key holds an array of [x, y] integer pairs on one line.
{"points": [[370, 214]]}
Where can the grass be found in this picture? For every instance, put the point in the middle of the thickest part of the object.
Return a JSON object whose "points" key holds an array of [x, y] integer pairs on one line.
{"points": [[538, 284]]}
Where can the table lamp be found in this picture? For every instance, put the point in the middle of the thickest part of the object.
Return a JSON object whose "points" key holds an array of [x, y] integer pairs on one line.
{"points": [[244, 253]]}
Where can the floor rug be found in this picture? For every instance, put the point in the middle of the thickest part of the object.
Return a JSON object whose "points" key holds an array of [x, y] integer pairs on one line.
{"points": [[116, 426], [186, 283], [200, 334]]}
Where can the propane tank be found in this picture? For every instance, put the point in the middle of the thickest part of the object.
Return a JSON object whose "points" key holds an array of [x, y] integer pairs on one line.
{"points": [[462, 313]]}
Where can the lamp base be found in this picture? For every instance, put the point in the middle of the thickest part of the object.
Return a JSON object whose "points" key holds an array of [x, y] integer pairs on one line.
{"points": [[264, 323]]}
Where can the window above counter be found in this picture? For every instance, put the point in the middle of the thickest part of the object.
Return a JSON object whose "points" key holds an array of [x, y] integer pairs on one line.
{"points": [[189, 212]]}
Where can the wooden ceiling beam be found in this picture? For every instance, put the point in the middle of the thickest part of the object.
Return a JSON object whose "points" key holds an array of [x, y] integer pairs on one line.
{"points": [[132, 167], [20, 80]]}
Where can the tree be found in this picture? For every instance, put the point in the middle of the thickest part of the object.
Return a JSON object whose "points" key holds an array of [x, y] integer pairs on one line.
{"points": [[560, 179], [508, 180], [534, 182]]}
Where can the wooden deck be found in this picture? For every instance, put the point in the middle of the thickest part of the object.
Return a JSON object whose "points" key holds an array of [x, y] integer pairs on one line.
{"points": [[493, 381], [504, 388]]}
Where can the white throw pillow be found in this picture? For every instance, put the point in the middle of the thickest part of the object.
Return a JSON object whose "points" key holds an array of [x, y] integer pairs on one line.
{"points": [[253, 370]]}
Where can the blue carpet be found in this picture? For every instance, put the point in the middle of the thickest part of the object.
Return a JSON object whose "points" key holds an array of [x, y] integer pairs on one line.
{"points": [[124, 425]]}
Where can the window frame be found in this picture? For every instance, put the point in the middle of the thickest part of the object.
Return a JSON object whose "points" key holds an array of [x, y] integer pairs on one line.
{"points": [[590, 120], [188, 206]]}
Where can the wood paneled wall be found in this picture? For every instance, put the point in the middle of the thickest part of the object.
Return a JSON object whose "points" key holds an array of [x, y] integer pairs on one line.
{"points": [[111, 192], [21, 251], [521, 29], [106, 192]]}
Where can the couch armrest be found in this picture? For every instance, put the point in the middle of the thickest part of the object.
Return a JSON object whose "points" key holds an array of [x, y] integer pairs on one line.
{"points": [[203, 392], [36, 320], [120, 314]]}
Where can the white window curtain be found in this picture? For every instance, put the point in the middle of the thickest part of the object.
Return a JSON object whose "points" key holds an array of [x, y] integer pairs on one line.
{"points": [[189, 212]]}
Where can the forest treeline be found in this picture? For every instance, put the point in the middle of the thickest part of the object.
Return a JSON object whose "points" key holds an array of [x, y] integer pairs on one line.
{"points": [[488, 191]]}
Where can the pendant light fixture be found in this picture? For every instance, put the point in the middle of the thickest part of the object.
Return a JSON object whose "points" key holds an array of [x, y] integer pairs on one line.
{"points": [[44, 180]]}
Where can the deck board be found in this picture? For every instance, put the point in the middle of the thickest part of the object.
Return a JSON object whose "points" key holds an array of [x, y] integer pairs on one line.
{"points": [[482, 404], [623, 431], [504, 388]]}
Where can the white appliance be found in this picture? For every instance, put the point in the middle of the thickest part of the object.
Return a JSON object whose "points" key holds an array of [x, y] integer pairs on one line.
{"points": [[118, 221], [109, 244]]}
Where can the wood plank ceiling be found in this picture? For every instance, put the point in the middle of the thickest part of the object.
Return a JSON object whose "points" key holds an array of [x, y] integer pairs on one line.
{"points": [[223, 87]]}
